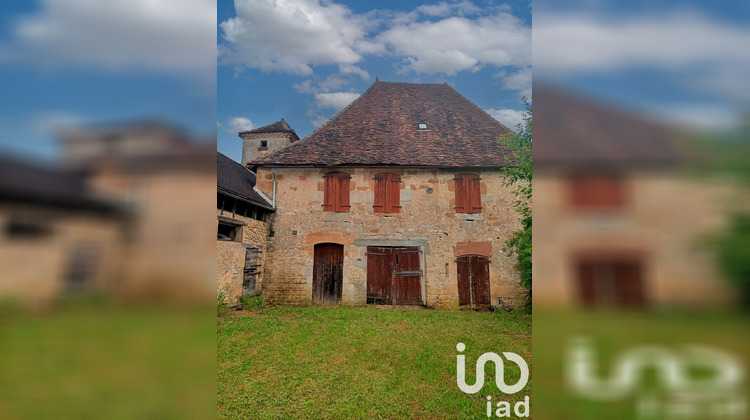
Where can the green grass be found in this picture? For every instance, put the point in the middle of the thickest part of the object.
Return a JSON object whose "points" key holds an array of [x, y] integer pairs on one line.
{"points": [[613, 333], [95, 361], [344, 362]]}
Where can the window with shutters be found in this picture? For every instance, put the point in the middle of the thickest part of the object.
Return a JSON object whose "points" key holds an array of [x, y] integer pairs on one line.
{"points": [[468, 195], [387, 193], [598, 192], [336, 192]]}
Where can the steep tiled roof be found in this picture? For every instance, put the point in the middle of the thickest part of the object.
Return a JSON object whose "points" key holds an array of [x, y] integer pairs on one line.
{"points": [[380, 128], [235, 179], [579, 133], [277, 127]]}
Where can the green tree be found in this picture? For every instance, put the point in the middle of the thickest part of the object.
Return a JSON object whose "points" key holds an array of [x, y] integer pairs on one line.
{"points": [[518, 174]]}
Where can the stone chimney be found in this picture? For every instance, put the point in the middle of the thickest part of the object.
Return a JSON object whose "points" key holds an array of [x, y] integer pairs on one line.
{"points": [[259, 141]]}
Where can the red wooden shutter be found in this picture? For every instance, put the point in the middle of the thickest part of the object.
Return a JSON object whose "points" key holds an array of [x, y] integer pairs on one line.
{"points": [[468, 194], [393, 193], [474, 193], [462, 203], [343, 202], [387, 193], [380, 187], [336, 192]]}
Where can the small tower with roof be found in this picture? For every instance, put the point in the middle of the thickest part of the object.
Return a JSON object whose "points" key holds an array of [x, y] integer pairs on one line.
{"points": [[259, 141]]}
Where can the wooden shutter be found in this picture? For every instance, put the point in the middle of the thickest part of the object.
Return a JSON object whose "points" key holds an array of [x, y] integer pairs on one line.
{"points": [[336, 192], [598, 192], [387, 193], [468, 194]]}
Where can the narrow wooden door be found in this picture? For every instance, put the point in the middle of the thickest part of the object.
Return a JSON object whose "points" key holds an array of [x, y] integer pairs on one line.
{"points": [[473, 274], [407, 288], [379, 283], [251, 269], [328, 273]]}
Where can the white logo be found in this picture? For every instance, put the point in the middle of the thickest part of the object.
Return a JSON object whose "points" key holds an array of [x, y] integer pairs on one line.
{"points": [[679, 393], [499, 371]]}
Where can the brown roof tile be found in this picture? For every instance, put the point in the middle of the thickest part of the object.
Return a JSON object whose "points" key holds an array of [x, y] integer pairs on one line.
{"points": [[277, 127], [580, 133], [380, 128]]}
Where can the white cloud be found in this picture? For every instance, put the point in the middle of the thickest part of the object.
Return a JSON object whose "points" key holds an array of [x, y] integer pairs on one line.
{"points": [[582, 42], [238, 124], [508, 117], [520, 81], [457, 43], [350, 69], [291, 35], [443, 9], [177, 36], [335, 100]]}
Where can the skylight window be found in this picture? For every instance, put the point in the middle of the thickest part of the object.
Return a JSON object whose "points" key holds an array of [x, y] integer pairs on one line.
{"points": [[422, 126]]}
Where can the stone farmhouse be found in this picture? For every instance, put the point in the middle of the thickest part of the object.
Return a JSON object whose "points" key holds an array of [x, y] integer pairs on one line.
{"points": [[618, 216], [398, 200]]}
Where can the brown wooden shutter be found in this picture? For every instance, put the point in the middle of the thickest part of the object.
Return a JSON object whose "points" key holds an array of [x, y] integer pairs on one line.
{"points": [[468, 194], [474, 193], [387, 193], [462, 203], [343, 193], [336, 192], [380, 187]]}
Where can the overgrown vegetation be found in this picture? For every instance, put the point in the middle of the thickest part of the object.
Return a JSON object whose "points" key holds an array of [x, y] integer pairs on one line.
{"points": [[730, 157], [361, 362], [518, 174], [253, 302]]}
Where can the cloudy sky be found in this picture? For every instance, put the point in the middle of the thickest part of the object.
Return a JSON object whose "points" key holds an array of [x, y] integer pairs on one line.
{"points": [[84, 61], [685, 62], [304, 60]]}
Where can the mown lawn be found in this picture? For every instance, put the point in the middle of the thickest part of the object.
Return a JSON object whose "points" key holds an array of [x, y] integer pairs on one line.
{"points": [[105, 362], [367, 362], [610, 335]]}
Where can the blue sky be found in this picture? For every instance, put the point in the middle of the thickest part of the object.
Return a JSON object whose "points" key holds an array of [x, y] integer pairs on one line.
{"points": [[683, 62], [304, 60], [78, 62]]}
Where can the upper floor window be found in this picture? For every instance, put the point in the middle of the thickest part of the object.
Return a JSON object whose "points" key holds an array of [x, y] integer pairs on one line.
{"points": [[468, 194], [597, 192], [336, 192], [387, 193]]}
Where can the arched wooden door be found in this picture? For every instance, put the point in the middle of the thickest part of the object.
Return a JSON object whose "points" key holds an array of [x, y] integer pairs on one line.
{"points": [[473, 281], [328, 273]]}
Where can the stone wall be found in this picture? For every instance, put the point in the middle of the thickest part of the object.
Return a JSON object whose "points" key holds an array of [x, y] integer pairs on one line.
{"points": [[251, 148], [230, 256], [666, 219], [427, 220]]}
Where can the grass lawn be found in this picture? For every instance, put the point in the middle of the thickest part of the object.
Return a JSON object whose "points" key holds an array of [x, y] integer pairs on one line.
{"points": [[612, 334], [364, 362], [104, 362]]}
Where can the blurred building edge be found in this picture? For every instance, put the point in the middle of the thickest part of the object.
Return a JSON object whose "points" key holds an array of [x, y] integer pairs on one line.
{"points": [[618, 215], [128, 214]]}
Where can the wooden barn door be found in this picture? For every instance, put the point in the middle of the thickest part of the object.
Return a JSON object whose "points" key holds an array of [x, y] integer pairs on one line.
{"points": [[611, 283], [406, 276], [328, 273], [394, 275], [473, 281]]}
